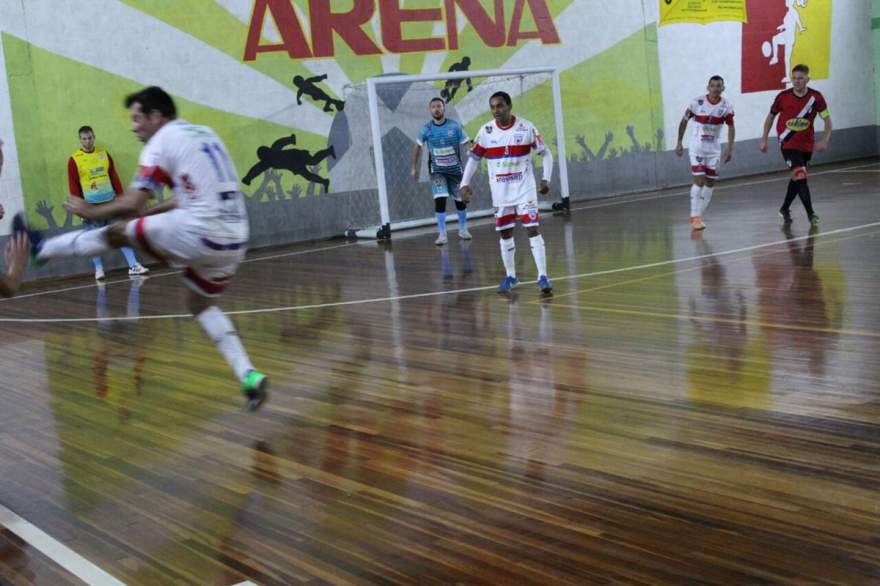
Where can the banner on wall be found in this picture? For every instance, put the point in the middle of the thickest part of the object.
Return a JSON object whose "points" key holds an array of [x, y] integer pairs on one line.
{"points": [[781, 34], [702, 11]]}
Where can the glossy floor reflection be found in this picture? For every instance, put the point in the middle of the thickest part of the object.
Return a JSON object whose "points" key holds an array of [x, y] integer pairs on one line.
{"points": [[688, 408]]}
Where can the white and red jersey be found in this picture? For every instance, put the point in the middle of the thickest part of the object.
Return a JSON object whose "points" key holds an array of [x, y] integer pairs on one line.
{"points": [[194, 162], [708, 119], [509, 154]]}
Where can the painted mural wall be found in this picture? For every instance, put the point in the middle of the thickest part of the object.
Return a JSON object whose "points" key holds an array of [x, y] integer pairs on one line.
{"points": [[875, 29], [282, 82]]}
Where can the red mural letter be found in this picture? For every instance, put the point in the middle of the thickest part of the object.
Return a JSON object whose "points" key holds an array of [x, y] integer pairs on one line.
{"points": [[293, 40], [546, 29], [346, 24], [393, 17], [492, 33]]}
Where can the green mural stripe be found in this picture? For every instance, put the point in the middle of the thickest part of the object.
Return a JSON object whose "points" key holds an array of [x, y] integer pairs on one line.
{"points": [[875, 23], [46, 122]]}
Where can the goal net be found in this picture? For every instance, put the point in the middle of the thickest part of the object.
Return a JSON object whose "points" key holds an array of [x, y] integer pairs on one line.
{"points": [[384, 117]]}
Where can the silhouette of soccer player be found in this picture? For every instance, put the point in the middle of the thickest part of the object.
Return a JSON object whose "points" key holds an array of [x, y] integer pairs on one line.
{"points": [[308, 87], [452, 85], [296, 161]]}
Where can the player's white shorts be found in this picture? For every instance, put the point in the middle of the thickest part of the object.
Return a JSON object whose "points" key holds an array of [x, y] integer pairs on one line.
{"points": [[177, 238], [705, 164], [505, 218]]}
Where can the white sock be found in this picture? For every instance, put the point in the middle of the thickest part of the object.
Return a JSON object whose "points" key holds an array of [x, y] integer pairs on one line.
{"points": [[76, 243], [696, 200], [220, 329], [508, 255], [540, 254], [707, 197]]}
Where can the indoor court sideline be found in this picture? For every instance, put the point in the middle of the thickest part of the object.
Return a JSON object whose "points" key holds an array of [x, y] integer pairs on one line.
{"points": [[688, 407]]}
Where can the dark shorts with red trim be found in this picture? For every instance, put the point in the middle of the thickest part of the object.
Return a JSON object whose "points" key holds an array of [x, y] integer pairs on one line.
{"points": [[177, 239], [794, 158]]}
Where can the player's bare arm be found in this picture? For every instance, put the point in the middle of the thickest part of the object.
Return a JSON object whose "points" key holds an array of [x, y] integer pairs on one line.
{"points": [[470, 169], [414, 170], [826, 135], [682, 128], [129, 204], [161, 208], [731, 138], [768, 124], [547, 167]]}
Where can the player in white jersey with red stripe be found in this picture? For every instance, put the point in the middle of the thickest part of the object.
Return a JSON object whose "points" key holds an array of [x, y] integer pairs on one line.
{"points": [[709, 113], [203, 228], [507, 143]]}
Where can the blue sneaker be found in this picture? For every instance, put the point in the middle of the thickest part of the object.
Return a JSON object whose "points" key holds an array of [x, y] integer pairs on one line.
{"points": [[544, 285], [507, 283], [34, 236]]}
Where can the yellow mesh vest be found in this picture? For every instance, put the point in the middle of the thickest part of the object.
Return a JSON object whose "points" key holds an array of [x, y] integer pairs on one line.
{"points": [[94, 175]]}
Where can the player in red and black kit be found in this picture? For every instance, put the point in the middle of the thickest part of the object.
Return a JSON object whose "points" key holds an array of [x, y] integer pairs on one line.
{"points": [[797, 109]]}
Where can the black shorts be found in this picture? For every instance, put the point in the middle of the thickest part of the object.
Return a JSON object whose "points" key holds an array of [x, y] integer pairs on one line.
{"points": [[795, 159]]}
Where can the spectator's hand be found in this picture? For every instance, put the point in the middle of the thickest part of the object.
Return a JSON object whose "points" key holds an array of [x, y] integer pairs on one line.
{"points": [[821, 147], [465, 193], [630, 130], [17, 250], [609, 137], [679, 149], [762, 145], [728, 154], [2, 212], [246, 180], [79, 206], [545, 187], [415, 174]]}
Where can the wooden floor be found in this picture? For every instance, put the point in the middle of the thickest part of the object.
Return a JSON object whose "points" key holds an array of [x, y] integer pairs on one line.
{"points": [[687, 409]]}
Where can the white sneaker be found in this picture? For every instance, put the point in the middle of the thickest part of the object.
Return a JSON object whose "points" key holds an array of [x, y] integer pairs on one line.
{"points": [[441, 240], [464, 234], [99, 274], [138, 269]]}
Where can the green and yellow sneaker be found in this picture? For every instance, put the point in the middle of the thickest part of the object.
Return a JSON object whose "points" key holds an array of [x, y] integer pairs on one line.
{"points": [[256, 390]]}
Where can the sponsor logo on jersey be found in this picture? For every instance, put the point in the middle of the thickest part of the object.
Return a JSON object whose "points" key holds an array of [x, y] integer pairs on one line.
{"points": [[508, 177], [519, 138], [489, 129], [797, 124]]}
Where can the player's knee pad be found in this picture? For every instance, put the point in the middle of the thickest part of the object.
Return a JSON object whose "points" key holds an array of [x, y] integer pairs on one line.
{"points": [[439, 204], [799, 173], [460, 205]]}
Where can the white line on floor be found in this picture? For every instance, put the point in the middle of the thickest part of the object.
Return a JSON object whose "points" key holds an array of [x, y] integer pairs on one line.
{"points": [[445, 292], [56, 551]]}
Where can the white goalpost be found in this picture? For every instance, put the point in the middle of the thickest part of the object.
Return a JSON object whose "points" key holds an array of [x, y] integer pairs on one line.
{"points": [[517, 82]]}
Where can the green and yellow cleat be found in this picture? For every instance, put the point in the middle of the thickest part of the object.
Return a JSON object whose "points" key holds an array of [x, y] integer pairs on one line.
{"points": [[256, 390]]}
